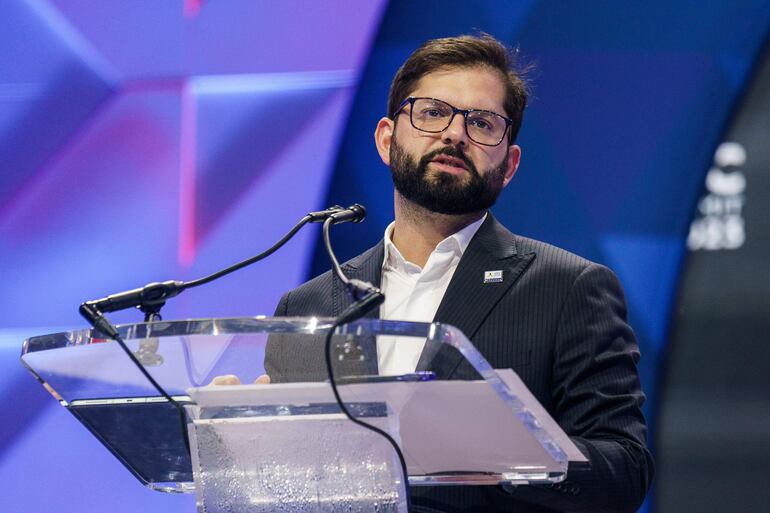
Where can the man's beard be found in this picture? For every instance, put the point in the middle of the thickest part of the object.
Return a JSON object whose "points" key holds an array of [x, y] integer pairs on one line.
{"points": [[443, 192]]}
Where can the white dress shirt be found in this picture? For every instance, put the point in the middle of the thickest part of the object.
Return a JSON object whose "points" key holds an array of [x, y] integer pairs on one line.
{"points": [[414, 294]]}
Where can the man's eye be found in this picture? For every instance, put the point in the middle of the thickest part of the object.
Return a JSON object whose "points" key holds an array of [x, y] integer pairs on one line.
{"points": [[432, 113], [481, 123]]}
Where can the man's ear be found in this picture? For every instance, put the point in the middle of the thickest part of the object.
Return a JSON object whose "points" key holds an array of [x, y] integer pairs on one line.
{"points": [[512, 164], [383, 135]]}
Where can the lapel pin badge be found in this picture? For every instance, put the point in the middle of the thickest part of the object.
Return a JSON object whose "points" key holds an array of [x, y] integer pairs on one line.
{"points": [[493, 276]]}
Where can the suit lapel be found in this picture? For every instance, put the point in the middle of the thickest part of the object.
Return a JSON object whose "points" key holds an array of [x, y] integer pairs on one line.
{"points": [[365, 267], [469, 298]]}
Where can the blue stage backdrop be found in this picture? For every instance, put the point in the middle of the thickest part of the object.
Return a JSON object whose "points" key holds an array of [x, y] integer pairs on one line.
{"points": [[629, 102], [145, 140]]}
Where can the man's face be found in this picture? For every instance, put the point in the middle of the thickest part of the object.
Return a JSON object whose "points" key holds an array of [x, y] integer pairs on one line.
{"points": [[447, 172]]}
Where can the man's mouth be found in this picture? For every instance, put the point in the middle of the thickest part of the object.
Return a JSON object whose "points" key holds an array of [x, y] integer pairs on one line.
{"points": [[450, 164]]}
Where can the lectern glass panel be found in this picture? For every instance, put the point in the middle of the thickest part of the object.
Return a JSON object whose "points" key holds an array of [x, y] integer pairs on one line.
{"points": [[450, 398]]}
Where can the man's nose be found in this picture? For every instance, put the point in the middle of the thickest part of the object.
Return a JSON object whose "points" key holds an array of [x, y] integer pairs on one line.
{"points": [[455, 133]]}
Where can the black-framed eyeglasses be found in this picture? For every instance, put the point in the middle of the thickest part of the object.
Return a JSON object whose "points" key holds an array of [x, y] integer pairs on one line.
{"points": [[433, 116]]}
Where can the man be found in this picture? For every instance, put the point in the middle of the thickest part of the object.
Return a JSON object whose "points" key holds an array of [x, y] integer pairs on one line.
{"points": [[454, 110]]}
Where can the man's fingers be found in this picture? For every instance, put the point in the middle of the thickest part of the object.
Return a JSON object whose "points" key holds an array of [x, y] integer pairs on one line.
{"points": [[58, 397], [232, 379], [227, 379]]}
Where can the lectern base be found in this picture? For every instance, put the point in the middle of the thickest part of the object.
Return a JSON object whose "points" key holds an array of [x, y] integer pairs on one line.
{"points": [[294, 463]]}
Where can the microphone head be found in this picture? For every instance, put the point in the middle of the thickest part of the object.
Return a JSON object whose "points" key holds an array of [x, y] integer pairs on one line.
{"points": [[360, 212], [354, 213]]}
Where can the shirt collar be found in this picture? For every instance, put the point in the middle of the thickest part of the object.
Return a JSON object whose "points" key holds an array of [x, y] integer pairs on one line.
{"points": [[458, 241]]}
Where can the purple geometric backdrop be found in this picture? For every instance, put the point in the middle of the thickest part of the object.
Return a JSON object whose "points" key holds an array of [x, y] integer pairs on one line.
{"points": [[147, 140], [150, 140]]}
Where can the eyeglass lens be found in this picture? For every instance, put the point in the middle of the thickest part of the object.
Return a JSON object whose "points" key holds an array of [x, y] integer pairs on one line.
{"points": [[432, 115]]}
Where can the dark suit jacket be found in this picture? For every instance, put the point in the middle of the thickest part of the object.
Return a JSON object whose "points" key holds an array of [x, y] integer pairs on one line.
{"points": [[560, 322]]}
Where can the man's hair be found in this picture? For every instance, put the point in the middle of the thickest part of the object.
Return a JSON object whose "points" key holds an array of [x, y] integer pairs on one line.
{"points": [[482, 51]]}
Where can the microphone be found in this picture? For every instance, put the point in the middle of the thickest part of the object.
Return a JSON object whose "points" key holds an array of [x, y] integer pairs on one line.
{"points": [[355, 213], [150, 295], [321, 215], [98, 321], [365, 296]]}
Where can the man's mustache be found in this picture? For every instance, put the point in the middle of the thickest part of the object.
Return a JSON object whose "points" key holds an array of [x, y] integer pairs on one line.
{"points": [[450, 151]]}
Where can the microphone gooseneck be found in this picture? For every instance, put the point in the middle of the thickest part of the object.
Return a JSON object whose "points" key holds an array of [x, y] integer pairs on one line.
{"points": [[356, 289], [153, 296], [365, 297]]}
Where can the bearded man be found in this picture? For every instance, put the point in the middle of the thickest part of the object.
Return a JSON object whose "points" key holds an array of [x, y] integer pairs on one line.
{"points": [[454, 111]]}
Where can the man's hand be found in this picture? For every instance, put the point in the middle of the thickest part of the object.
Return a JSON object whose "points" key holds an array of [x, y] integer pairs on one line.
{"points": [[232, 379]]}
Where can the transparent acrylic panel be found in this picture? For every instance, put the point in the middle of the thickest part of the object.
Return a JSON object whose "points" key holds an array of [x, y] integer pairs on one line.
{"points": [[452, 398]]}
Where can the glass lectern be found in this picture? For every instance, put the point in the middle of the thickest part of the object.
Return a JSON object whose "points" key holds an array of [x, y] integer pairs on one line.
{"points": [[250, 446]]}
